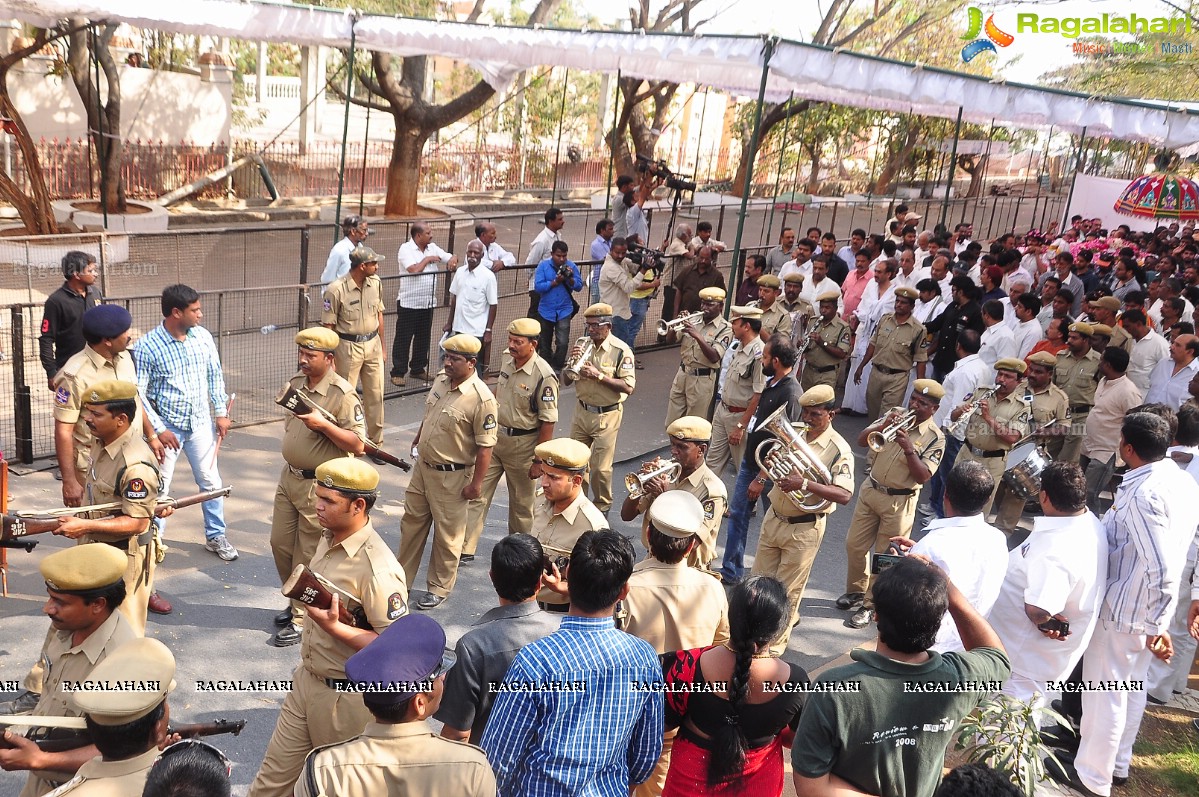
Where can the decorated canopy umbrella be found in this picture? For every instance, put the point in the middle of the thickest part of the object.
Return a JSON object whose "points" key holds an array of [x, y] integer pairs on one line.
{"points": [[1160, 196]]}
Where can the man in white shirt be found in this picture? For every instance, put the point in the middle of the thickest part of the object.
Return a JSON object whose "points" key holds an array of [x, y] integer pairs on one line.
{"points": [[997, 340], [495, 256], [923, 250], [802, 262], [819, 282], [941, 272], [1148, 348], [355, 229], [969, 373], [930, 304], [415, 302], [1115, 395], [540, 250], [703, 237], [1017, 287], [1028, 332], [972, 552], [473, 303], [908, 274], [1169, 380]]}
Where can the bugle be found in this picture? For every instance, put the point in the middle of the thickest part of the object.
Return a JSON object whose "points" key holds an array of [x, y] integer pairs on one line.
{"points": [[896, 418], [313, 590], [962, 424], [677, 324], [635, 482], [574, 365], [789, 454]]}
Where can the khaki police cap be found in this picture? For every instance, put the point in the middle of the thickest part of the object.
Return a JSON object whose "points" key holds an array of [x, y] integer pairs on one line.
{"points": [[828, 296], [1011, 364], [741, 311], [1107, 303], [348, 474], [1042, 358], [817, 396], [711, 295], [109, 390], [130, 682], [598, 310], [1101, 329], [677, 513], [463, 344], [907, 293], [364, 254], [929, 387], [525, 327], [1082, 328], [794, 276], [769, 281], [563, 453], [692, 428], [84, 568], [318, 339]]}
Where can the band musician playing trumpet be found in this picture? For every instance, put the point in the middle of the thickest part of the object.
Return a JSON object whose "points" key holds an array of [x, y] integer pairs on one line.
{"points": [[999, 422], [702, 350], [906, 448]]}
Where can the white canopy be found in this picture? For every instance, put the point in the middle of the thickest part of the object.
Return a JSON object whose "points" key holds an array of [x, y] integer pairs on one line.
{"points": [[730, 63]]}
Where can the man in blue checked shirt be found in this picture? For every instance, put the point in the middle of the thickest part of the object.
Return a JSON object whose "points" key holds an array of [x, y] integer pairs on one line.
{"points": [[556, 279], [179, 373], [580, 711]]}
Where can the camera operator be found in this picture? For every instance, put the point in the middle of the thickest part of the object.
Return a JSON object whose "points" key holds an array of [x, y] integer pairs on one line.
{"points": [[620, 277], [634, 202], [556, 278]]}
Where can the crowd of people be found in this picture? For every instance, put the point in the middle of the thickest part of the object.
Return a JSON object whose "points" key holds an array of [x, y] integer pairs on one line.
{"points": [[1034, 422]]}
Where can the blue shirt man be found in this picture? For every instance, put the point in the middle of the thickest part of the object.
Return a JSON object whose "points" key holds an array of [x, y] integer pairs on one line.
{"points": [[556, 306]]}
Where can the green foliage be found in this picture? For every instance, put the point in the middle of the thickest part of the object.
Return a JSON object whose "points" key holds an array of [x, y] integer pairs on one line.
{"points": [[1003, 734]]}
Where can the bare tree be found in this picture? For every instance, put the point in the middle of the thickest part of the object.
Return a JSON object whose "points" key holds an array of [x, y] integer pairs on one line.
{"points": [[103, 115]]}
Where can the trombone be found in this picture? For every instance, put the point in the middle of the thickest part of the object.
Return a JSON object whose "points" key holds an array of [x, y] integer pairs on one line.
{"points": [[575, 364], [676, 325], [635, 482], [896, 418]]}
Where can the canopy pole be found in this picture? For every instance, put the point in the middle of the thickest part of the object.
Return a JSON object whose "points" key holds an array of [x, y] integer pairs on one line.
{"points": [[751, 153], [953, 167], [699, 139], [1082, 140], [366, 140], [345, 131], [986, 162], [558, 150], [612, 146], [1044, 172], [778, 172]]}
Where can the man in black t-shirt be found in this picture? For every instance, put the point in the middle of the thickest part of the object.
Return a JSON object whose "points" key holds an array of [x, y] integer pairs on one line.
{"points": [[62, 318]]}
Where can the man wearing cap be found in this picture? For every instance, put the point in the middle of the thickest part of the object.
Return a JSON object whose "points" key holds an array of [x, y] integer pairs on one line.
{"points": [[473, 302], [899, 342], [793, 300], [104, 356], [1076, 372], [887, 500], [701, 352], [689, 437], [606, 379], [526, 396], [309, 440], [61, 336], [356, 230], [691, 282], [829, 343], [123, 470], [791, 533], [452, 450], [85, 585], [774, 317], [741, 383], [562, 513], [322, 707], [1106, 310], [402, 677], [353, 308], [1001, 420]]}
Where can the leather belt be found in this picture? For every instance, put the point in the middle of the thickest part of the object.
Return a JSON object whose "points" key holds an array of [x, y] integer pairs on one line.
{"points": [[1083, 408], [446, 468], [889, 490], [556, 608], [733, 409], [598, 410], [358, 338], [797, 518], [981, 452], [697, 371], [509, 431], [300, 473], [823, 369], [123, 545], [889, 371]]}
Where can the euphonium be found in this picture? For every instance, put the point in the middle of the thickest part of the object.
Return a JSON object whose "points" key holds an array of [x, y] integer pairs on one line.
{"points": [[635, 482], [899, 419], [676, 325], [789, 454], [959, 427], [575, 364]]}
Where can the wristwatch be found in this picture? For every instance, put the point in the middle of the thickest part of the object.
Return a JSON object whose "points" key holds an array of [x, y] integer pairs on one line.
{"points": [[740, 425]]}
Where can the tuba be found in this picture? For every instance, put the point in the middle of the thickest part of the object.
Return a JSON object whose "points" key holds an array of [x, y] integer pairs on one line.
{"points": [[789, 454], [676, 325], [635, 482], [575, 364], [959, 427], [897, 418]]}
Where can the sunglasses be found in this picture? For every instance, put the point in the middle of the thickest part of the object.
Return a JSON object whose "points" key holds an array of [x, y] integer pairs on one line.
{"points": [[184, 744]]}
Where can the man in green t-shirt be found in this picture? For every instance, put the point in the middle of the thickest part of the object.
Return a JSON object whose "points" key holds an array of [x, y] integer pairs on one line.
{"points": [[886, 720]]}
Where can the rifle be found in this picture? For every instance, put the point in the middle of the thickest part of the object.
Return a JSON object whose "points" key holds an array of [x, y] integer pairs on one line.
{"points": [[297, 403], [311, 589], [62, 739], [40, 521]]}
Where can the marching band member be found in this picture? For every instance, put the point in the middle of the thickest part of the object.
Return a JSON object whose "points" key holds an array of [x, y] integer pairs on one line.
{"points": [[701, 351]]}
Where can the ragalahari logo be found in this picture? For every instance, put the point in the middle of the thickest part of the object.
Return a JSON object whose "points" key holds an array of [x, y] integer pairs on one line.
{"points": [[977, 45]]}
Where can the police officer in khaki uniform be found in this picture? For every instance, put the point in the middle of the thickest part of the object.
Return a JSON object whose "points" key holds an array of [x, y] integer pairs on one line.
{"points": [[689, 437], [899, 343], [452, 452], [562, 513], [701, 352], [527, 397], [1050, 408], [1077, 373], [887, 501], [791, 534], [309, 439], [1003, 419], [86, 585], [605, 380], [121, 718], [829, 344], [1106, 310], [354, 310], [740, 390], [123, 470], [402, 674], [351, 555], [791, 301], [670, 605], [775, 317]]}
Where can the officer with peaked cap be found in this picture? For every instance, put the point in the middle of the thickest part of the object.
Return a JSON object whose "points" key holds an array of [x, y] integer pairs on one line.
{"points": [[1003, 419], [310, 438], [898, 345], [700, 353], [353, 308], [775, 317], [740, 387], [453, 453], [1076, 372], [402, 678], [829, 344]]}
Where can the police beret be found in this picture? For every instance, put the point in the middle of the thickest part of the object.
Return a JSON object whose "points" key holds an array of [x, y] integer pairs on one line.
{"points": [[1107, 303], [563, 453], [525, 327], [598, 310], [712, 295], [794, 276], [106, 321], [768, 281], [1101, 330], [677, 514], [84, 568], [741, 311], [1042, 358], [1011, 364], [828, 296], [400, 662], [817, 396], [906, 293], [690, 427], [1082, 328], [929, 387], [364, 254], [463, 344], [318, 339], [109, 390], [146, 662], [347, 474]]}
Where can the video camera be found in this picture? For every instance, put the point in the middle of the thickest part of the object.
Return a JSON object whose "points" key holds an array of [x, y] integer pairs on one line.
{"points": [[643, 256], [658, 168]]}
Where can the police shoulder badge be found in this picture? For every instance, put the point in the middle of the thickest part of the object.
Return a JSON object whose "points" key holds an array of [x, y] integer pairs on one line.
{"points": [[489, 422], [357, 413], [136, 489], [709, 509], [62, 396], [328, 304], [547, 395], [395, 606]]}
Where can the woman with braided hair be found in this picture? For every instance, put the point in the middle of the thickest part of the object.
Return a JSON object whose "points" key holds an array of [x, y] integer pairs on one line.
{"points": [[735, 704]]}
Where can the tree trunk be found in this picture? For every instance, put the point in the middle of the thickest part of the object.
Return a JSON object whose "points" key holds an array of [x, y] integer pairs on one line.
{"points": [[813, 185], [772, 116], [977, 172], [897, 160], [403, 172], [103, 117], [33, 208]]}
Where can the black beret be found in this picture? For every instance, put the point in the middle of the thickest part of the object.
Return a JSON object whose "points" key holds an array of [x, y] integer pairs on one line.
{"points": [[106, 321]]}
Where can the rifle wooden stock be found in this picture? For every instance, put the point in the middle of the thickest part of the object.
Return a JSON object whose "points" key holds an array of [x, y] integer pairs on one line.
{"points": [[62, 739], [296, 402], [391, 459], [310, 589], [22, 524]]}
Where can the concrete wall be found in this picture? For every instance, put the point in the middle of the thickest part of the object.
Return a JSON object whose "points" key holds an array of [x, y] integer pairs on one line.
{"points": [[155, 106]]}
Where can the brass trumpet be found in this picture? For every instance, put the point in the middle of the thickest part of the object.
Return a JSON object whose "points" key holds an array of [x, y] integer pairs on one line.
{"points": [[575, 364], [899, 419], [962, 424], [635, 482], [790, 454], [676, 325]]}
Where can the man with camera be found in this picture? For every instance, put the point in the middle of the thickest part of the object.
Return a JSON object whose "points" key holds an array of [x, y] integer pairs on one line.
{"points": [[620, 277], [701, 352], [555, 280]]}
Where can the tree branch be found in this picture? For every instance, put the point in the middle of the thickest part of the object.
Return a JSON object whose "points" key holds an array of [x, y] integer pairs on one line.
{"points": [[476, 12]]}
